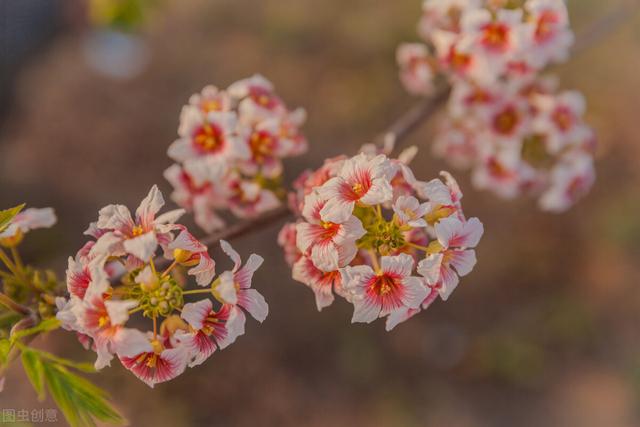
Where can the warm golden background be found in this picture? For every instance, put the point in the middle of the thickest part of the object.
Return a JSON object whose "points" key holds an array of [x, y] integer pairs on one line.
{"points": [[545, 332]]}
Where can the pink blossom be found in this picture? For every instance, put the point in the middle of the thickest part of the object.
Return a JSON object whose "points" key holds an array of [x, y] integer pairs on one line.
{"points": [[139, 237], [456, 258], [209, 329], [378, 294], [148, 359], [27, 220], [235, 285], [361, 180], [330, 245]]}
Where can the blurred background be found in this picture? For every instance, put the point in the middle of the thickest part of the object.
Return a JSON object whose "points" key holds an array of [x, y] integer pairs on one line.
{"points": [[545, 331]]}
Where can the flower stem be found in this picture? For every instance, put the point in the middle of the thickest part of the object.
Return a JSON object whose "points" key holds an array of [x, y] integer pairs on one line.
{"points": [[171, 267], [374, 260], [196, 291], [7, 262], [155, 327], [427, 250], [153, 266], [16, 259], [135, 310]]}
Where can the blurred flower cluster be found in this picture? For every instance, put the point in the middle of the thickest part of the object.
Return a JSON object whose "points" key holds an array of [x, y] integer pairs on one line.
{"points": [[22, 283], [115, 278], [378, 237], [230, 150], [506, 122]]}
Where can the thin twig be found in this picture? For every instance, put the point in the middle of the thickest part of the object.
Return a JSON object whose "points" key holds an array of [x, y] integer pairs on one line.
{"points": [[8, 302], [602, 27]]}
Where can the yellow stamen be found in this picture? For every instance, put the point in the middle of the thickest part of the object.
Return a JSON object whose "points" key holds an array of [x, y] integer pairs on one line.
{"points": [[137, 231], [103, 321]]}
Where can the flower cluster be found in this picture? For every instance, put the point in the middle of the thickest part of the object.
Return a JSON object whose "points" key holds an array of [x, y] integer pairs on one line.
{"points": [[511, 126], [375, 235], [230, 149], [115, 278]]}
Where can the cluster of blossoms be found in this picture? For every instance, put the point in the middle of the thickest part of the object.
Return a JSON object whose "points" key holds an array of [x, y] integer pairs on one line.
{"points": [[230, 149], [378, 237], [114, 283], [506, 122]]}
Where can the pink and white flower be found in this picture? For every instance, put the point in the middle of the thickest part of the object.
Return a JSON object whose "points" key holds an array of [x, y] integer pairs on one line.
{"points": [[570, 180], [457, 258], [235, 285], [100, 318], [410, 211], [361, 180], [207, 134], [210, 329], [330, 245], [416, 73], [549, 30], [323, 284], [139, 237], [27, 220], [378, 294], [190, 252], [149, 359]]}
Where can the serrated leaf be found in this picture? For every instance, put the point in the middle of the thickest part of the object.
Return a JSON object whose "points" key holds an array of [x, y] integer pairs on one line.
{"points": [[5, 346], [44, 326], [7, 215], [33, 367], [80, 366], [81, 402]]}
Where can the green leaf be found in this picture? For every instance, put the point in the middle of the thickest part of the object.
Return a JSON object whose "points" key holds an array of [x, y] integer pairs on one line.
{"points": [[80, 366], [81, 402], [7, 215], [5, 346], [33, 367], [44, 326]]}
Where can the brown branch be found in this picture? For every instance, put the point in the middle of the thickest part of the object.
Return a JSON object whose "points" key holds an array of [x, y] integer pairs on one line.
{"points": [[8, 302], [245, 227], [604, 26]]}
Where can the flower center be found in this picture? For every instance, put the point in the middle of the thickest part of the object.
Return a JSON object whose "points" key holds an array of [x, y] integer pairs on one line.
{"points": [[546, 23], [506, 121], [563, 118], [383, 285], [358, 188], [497, 170], [262, 145], [211, 105], [103, 321], [262, 97], [208, 137], [137, 231], [496, 36], [458, 61], [159, 300]]}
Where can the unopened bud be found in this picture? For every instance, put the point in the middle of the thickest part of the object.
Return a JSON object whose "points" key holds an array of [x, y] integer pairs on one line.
{"points": [[13, 241], [172, 324], [151, 285], [184, 257]]}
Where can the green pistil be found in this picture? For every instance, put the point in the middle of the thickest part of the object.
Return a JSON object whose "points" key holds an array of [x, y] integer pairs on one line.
{"points": [[382, 236], [161, 301]]}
